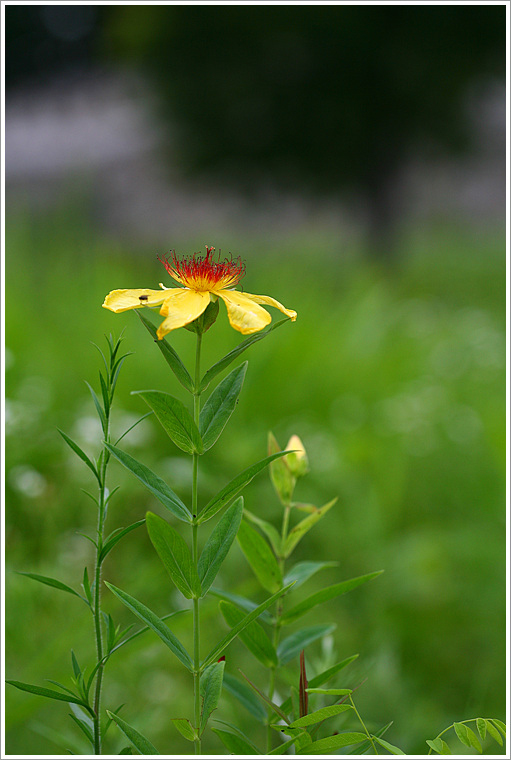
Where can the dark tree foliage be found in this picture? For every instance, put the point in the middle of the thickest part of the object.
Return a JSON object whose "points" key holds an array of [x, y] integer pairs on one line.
{"points": [[314, 97]]}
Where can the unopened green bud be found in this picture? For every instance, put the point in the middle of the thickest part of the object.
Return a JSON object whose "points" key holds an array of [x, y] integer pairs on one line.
{"points": [[297, 459], [281, 476]]}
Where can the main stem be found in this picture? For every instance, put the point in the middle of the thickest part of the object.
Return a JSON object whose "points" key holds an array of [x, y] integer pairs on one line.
{"points": [[195, 553], [276, 630], [97, 598]]}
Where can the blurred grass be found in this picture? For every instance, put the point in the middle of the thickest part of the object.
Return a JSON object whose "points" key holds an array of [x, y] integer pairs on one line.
{"points": [[395, 381]]}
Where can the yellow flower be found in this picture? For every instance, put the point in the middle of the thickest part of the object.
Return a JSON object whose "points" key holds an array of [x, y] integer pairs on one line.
{"points": [[203, 280]]}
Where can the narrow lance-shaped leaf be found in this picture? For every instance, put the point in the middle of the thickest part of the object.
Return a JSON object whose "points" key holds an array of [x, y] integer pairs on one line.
{"points": [[53, 583], [175, 420], [83, 456], [210, 690], [232, 355], [139, 741], [238, 732], [232, 489], [302, 571], [155, 623], [220, 405], [218, 544], [169, 354], [324, 595], [41, 691], [271, 533], [266, 699], [319, 715], [99, 409], [111, 542], [260, 558], [298, 532], [236, 745], [153, 483], [254, 638], [389, 747], [293, 644], [324, 746], [219, 648], [245, 697], [175, 555]]}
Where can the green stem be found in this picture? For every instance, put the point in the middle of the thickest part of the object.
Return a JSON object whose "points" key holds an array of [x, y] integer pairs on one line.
{"points": [[364, 726], [195, 552], [97, 596], [277, 627]]}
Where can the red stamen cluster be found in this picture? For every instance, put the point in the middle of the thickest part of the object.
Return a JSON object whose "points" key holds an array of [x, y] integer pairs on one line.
{"points": [[203, 273]]}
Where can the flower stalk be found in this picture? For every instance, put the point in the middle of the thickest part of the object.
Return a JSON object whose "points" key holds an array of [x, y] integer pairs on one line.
{"points": [[195, 549]]}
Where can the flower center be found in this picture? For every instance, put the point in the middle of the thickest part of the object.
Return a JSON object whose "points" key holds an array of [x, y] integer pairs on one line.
{"points": [[203, 273]]}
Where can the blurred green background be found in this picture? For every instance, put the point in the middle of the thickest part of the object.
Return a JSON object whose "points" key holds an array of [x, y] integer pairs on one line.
{"points": [[393, 375]]}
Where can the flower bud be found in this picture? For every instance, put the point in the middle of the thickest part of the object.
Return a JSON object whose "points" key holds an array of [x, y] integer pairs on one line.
{"points": [[297, 459], [281, 477]]}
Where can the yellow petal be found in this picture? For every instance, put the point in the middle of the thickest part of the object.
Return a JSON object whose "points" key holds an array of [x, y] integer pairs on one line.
{"points": [[269, 301], [244, 315], [122, 300], [181, 307]]}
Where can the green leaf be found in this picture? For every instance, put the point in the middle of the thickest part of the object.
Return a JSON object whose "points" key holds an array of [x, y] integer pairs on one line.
{"points": [[86, 585], [238, 732], [99, 409], [232, 489], [232, 355], [446, 750], [210, 690], [139, 741], [481, 727], [220, 405], [175, 555], [175, 420], [155, 623], [155, 484], [241, 601], [322, 746], [283, 747], [54, 583], [185, 728], [474, 741], [293, 645], [493, 732], [323, 677], [500, 725], [362, 748], [83, 721], [170, 356], [83, 456], [260, 558], [319, 715], [49, 693], [114, 539], [297, 533], [218, 544], [462, 733], [235, 744], [219, 648], [330, 692], [266, 699], [271, 532], [302, 571], [435, 744], [324, 595], [245, 696], [254, 638], [389, 747]]}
